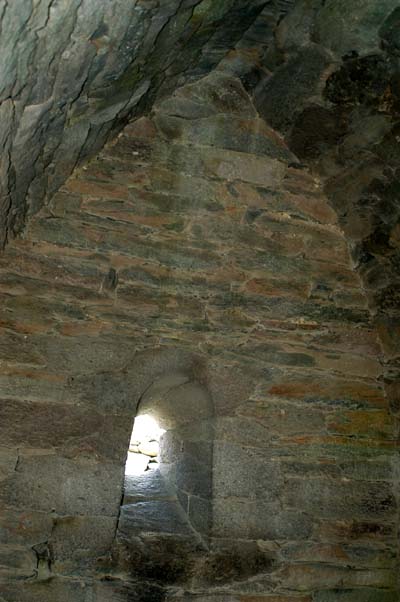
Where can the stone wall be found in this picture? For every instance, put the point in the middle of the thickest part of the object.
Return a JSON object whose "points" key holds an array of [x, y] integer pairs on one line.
{"points": [[74, 71], [196, 243], [329, 81]]}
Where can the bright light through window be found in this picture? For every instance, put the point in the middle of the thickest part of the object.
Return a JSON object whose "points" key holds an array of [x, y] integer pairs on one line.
{"points": [[144, 445]]}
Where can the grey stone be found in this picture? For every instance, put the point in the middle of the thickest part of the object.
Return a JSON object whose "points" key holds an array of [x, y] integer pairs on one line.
{"points": [[176, 405], [287, 91], [200, 515], [230, 301], [162, 558], [344, 30], [8, 462], [86, 77], [314, 576], [72, 430], [342, 498], [24, 527], [77, 542], [82, 487], [156, 516], [244, 518], [148, 486], [188, 597], [193, 476], [242, 471]]}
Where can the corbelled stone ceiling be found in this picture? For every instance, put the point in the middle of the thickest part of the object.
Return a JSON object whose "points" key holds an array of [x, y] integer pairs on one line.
{"points": [[200, 217], [323, 72], [73, 72]]}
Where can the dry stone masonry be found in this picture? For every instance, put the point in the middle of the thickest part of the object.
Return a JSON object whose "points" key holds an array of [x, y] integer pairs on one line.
{"points": [[73, 71], [195, 268], [228, 262]]}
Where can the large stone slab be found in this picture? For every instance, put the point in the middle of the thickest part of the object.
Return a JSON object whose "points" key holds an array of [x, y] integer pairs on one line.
{"points": [[72, 430], [81, 543], [244, 471], [342, 498], [244, 518], [49, 482], [164, 516]]}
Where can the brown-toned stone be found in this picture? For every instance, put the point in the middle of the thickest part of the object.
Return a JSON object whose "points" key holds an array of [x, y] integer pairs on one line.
{"points": [[196, 271]]}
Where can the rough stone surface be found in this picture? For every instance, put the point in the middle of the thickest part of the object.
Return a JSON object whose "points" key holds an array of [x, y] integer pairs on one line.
{"points": [[345, 126], [73, 72], [196, 268]]}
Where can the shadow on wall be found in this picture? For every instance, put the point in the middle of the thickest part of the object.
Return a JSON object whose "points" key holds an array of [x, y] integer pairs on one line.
{"points": [[165, 520]]}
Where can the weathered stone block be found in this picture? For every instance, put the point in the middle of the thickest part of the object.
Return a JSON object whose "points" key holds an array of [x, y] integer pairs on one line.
{"points": [[159, 557], [230, 384], [77, 542], [175, 406], [230, 561], [374, 424], [164, 516], [327, 390], [194, 476], [232, 166], [72, 430], [274, 598], [148, 486], [188, 597], [315, 576], [193, 440], [217, 93], [285, 94], [227, 132], [360, 531], [242, 471], [357, 555], [243, 431], [24, 527], [284, 419], [342, 498], [34, 385], [19, 350], [248, 519], [66, 486]]}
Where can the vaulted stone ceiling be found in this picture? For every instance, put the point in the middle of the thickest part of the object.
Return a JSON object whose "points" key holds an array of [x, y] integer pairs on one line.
{"points": [[206, 226], [73, 71], [325, 73]]}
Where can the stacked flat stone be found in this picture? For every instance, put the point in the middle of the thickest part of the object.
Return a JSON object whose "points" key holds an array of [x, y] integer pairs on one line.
{"points": [[195, 246]]}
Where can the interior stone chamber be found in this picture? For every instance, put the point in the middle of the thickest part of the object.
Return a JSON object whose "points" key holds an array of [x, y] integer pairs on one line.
{"points": [[200, 218]]}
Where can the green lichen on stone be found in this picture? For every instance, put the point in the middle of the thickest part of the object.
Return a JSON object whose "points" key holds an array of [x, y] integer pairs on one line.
{"points": [[345, 27]]}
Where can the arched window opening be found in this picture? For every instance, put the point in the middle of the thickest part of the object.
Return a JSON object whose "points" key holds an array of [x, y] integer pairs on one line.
{"points": [[168, 477], [143, 452]]}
